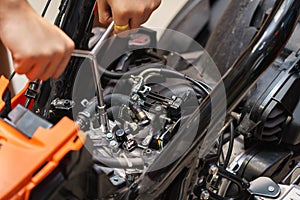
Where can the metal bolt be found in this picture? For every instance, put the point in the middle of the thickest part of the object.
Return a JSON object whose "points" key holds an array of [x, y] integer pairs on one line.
{"points": [[67, 103], [114, 146], [204, 195], [213, 170], [148, 152], [84, 102], [113, 143], [109, 136], [271, 189]]}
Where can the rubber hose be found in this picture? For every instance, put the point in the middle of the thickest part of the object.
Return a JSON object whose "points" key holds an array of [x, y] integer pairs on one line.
{"points": [[118, 75]]}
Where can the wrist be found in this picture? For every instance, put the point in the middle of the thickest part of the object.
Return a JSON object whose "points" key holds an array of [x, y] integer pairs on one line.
{"points": [[9, 7]]}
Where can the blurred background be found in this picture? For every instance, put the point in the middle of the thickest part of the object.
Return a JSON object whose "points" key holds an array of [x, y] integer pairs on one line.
{"points": [[159, 19]]}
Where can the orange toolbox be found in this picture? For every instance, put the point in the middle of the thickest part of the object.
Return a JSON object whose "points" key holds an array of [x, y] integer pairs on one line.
{"points": [[26, 160]]}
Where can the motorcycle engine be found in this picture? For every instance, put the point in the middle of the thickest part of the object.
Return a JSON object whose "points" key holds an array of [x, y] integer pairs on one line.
{"points": [[157, 90], [148, 94]]}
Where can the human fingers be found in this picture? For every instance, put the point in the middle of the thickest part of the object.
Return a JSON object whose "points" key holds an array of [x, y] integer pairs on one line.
{"points": [[62, 56], [61, 67], [60, 52], [63, 63], [104, 12], [38, 69], [144, 13], [122, 30], [121, 15], [140, 16], [22, 66], [51, 67], [131, 14]]}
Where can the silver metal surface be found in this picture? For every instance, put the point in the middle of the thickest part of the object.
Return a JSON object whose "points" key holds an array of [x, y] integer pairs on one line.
{"points": [[264, 187], [293, 192], [91, 55]]}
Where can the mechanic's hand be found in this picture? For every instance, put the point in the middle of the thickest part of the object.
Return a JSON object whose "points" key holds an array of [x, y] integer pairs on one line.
{"points": [[127, 14], [39, 49]]}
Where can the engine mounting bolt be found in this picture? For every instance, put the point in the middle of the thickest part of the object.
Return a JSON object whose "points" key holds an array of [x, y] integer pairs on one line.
{"points": [[109, 136], [271, 189], [213, 170], [204, 195], [113, 143], [114, 146], [148, 152]]}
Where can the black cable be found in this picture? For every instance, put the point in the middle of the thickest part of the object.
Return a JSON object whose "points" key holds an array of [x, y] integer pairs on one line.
{"points": [[174, 74], [220, 146], [11, 76], [204, 85], [230, 148], [199, 84], [46, 8], [7, 100], [223, 157], [62, 10], [164, 71]]}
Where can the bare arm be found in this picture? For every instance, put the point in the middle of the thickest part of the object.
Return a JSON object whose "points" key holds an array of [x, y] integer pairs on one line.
{"points": [[39, 49]]}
